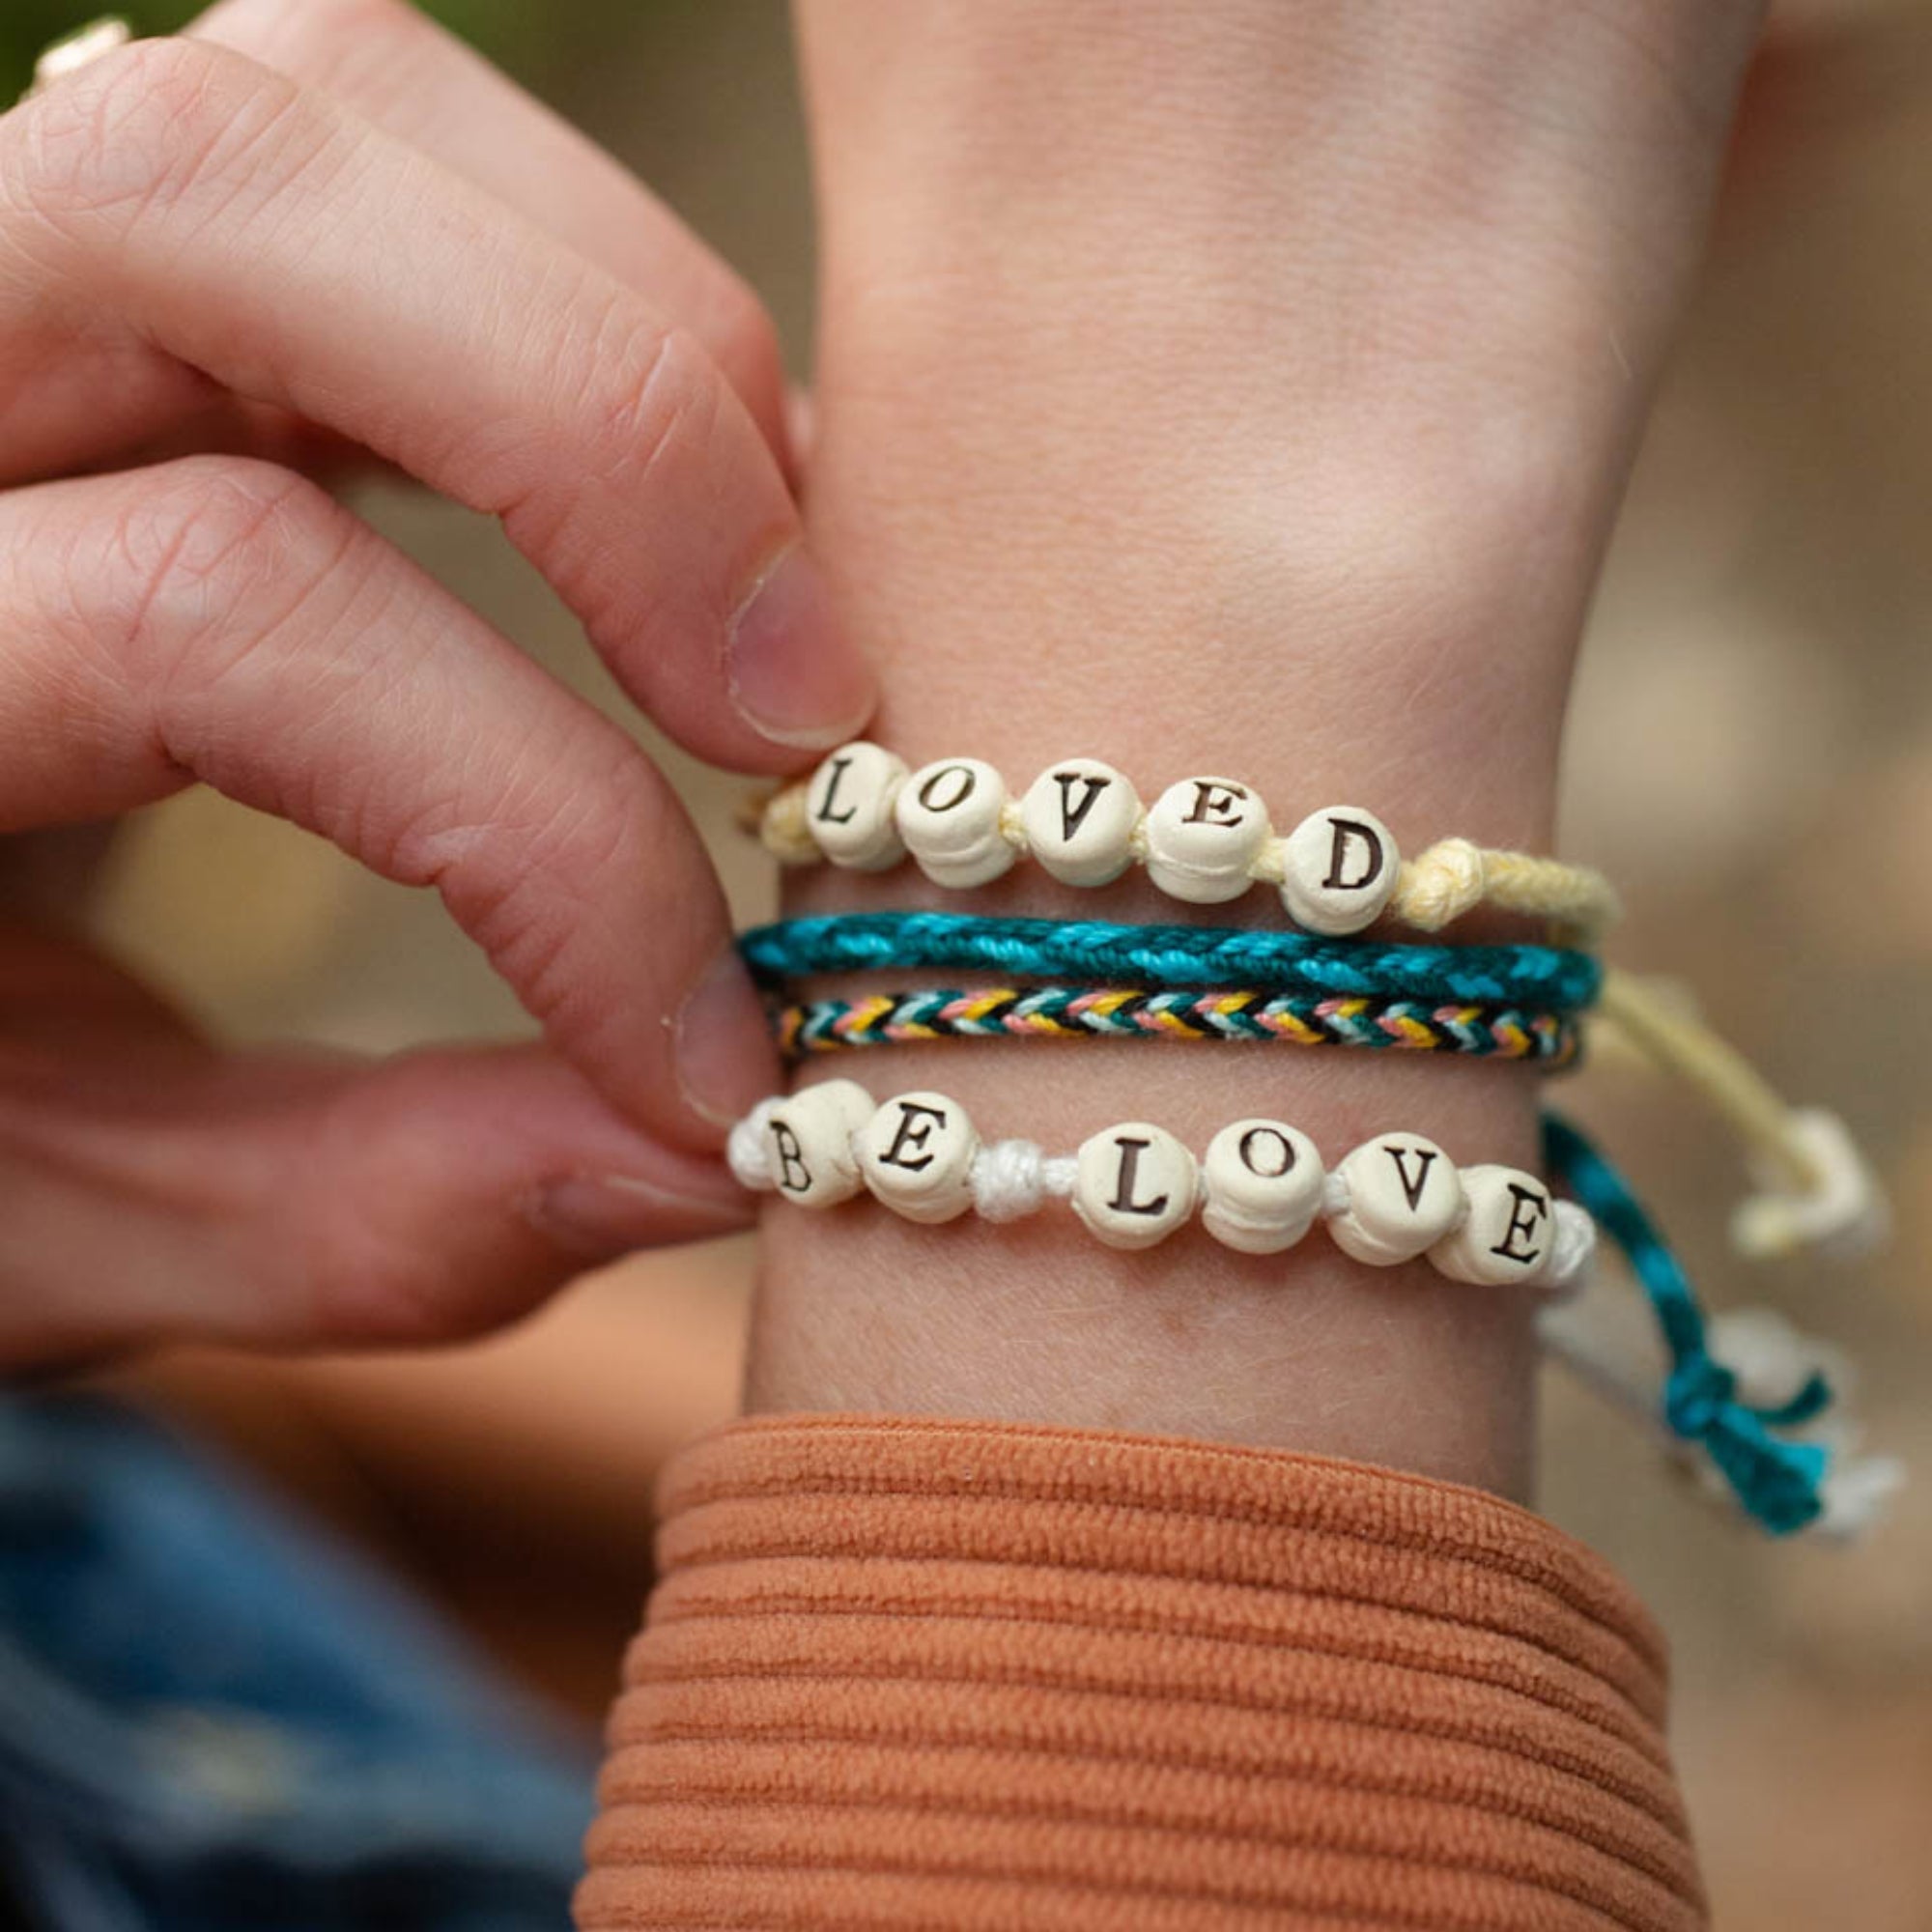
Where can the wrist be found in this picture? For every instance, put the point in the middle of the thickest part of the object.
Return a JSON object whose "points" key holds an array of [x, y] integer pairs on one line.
{"points": [[1131, 445]]}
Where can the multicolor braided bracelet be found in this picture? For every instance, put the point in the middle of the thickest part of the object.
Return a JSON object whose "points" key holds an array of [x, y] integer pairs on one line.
{"points": [[1259, 1186], [1550, 1040], [1203, 841]]}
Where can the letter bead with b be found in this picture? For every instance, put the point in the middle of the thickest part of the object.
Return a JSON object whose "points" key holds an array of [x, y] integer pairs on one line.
{"points": [[809, 1143]]}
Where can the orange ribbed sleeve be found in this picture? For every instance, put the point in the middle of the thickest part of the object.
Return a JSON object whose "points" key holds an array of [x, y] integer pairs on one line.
{"points": [[904, 1673]]}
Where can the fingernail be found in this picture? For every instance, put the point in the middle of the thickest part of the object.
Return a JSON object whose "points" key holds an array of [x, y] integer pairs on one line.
{"points": [[795, 676], [600, 1216], [725, 1060]]}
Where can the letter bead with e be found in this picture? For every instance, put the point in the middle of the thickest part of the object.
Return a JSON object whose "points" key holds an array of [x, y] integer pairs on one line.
{"points": [[917, 1155], [1203, 837], [1507, 1235]]}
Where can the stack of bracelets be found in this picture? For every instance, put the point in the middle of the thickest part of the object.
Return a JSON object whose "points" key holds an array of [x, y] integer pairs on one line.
{"points": [[1746, 1389]]}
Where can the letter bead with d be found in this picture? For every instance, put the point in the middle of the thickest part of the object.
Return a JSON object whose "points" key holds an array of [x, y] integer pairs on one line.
{"points": [[1340, 868]]}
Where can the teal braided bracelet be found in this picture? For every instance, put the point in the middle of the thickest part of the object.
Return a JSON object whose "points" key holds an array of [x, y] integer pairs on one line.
{"points": [[1550, 1040], [1174, 958]]}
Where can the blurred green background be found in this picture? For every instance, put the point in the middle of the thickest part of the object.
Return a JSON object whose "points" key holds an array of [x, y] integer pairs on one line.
{"points": [[515, 32], [1751, 755]]}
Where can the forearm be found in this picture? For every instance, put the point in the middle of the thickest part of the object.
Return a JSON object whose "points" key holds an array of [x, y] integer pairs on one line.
{"points": [[1234, 389]]}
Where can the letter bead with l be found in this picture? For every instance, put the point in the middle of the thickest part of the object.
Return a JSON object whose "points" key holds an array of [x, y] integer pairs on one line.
{"points": [[849, 808], [1134, 1184]]}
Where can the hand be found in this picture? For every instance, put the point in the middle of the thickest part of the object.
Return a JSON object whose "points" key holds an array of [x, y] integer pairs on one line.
{"points": [[315, 229]]}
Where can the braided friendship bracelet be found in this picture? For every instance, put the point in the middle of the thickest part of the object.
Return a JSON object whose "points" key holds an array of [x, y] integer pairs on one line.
{"points": [[1203, 841], [1174, 958], [1109, 1013], [1259, 1186]]}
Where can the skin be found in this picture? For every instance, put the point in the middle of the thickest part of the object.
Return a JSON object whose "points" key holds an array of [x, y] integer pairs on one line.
{"points": [[1246, 388]]}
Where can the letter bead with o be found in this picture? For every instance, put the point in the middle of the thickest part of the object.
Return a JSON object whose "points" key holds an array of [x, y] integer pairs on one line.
{"points": [[950, 816], [1261, 1186]]}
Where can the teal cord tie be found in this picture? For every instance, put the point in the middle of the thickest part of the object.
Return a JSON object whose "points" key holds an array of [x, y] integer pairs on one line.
{"points": [[1780, 1483], [1173, 958]]}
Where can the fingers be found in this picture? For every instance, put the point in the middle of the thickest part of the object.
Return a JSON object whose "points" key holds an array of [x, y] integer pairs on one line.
{"points": [[407, 75], [315, 1201], [221, 619], [177, 197]]}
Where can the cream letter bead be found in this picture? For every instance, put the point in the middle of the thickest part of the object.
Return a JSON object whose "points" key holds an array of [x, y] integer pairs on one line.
{"points": [[808, 1142], [1079, 817], [949, 815], [1508, 1233], [1403, 1196], [1339, 870], [1134, 1184], [917, 1155], [1202, 838], [848, 806], [1261, 1184]]}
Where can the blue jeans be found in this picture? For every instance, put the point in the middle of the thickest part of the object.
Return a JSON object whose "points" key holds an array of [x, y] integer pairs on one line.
{"points": [[213, 1719]]}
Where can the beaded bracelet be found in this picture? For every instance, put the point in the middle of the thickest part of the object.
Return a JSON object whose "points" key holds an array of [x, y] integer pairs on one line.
{"points": [[1259, 1186], [1203, 840], [1551, 1041]]}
